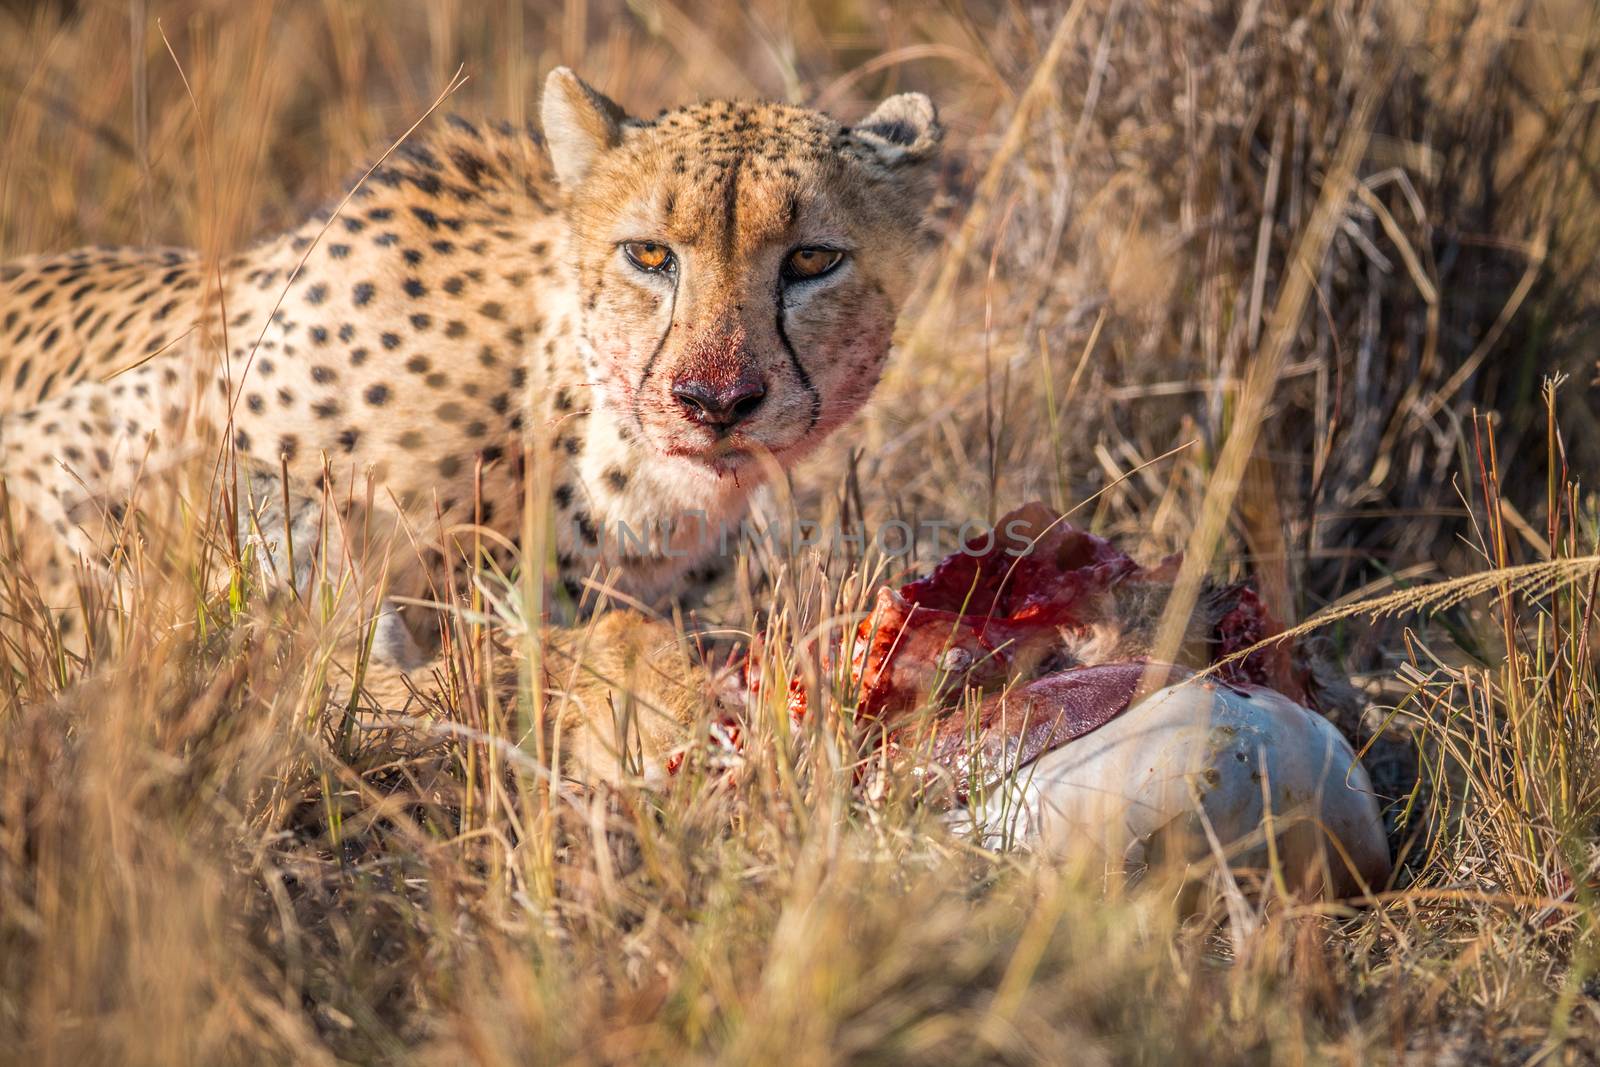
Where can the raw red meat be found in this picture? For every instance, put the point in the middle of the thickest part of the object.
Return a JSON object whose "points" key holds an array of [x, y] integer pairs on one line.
{"points": [[1013, 728], [1033, 567], [1006, 606], [1020, 615]]}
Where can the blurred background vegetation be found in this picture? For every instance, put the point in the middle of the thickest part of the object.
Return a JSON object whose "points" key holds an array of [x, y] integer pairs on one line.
{"points": [[1361, 234]]}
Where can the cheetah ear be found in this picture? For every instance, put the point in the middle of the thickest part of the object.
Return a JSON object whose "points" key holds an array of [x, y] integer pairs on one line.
{"points": [[579, 124], [903, 129]]}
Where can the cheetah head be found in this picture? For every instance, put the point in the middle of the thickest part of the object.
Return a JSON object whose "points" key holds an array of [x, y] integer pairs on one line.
{"points": [[739, 265]]}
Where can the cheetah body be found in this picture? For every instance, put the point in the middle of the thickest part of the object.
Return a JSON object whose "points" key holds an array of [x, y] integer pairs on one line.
{"points": [[465, 333]]}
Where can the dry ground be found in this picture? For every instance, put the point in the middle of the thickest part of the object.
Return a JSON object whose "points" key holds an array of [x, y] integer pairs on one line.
{"points": [[1334, 253]]}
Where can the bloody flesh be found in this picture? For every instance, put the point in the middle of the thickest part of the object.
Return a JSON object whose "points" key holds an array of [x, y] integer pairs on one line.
{"points": [[1015, 616]]}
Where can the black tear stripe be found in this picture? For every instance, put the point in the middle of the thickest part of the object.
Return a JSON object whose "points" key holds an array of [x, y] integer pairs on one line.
{"points": [[794, 361], [661, 342]]}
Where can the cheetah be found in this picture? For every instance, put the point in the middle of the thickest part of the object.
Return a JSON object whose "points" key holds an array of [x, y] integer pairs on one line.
{"points": [[637, 318]]}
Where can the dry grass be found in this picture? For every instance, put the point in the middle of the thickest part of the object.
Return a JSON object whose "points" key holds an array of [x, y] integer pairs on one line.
{"points": [[1306, 242]]}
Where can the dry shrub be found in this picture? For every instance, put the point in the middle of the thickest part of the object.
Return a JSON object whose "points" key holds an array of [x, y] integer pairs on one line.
{"points": [[199, 862]]}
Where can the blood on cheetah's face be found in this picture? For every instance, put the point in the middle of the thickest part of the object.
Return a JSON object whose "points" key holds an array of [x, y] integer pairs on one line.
{"points": [[740, 265]]}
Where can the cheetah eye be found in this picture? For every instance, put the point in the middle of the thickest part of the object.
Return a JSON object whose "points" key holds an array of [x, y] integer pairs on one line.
{"points": [[806, 263], [649, 255]]}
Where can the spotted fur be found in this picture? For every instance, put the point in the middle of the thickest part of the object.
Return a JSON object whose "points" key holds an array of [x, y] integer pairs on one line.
{"points": [[471, 309]]}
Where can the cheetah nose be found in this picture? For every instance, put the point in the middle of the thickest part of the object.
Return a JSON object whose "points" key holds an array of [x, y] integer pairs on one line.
{"points": [[722, 406]]}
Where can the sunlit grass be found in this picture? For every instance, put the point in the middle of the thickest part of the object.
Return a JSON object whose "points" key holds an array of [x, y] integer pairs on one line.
{"points": [[209, 853]]}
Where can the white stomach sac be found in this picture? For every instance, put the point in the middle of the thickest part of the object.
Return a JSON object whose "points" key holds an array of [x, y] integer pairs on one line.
{"points": [[1200, 773]]}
